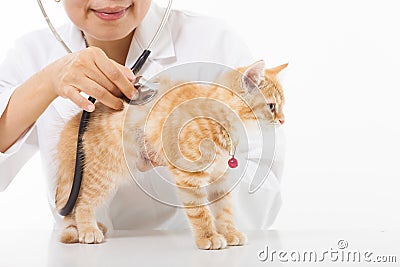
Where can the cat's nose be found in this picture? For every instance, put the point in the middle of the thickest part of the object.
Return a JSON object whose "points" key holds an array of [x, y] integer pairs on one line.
{"points": [[282, 121]]}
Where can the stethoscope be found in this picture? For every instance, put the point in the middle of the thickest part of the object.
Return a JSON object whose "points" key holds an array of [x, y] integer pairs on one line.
{"points": [[143, 96]]}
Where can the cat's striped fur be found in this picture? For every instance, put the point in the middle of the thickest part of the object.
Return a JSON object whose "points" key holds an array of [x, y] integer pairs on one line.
{"points": [[105, 168]]}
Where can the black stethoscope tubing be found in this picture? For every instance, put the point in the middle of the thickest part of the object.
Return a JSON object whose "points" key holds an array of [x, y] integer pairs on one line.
{"points": [[80, 155]]}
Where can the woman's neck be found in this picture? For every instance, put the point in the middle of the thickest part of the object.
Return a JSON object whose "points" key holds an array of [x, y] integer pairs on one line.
{"points": [[116, 50]]}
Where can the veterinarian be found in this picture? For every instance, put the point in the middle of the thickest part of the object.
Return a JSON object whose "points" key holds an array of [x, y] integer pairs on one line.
{"points": [[40, 87]]}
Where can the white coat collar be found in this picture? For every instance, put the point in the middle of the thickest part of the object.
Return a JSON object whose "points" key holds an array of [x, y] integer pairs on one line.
{"points": [[163, 48]]}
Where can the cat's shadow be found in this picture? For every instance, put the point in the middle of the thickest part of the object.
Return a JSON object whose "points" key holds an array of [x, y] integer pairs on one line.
{"points": [[116, 234]]}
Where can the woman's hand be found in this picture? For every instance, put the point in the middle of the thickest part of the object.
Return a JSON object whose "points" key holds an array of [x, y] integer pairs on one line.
{"points": [[92, 72]]}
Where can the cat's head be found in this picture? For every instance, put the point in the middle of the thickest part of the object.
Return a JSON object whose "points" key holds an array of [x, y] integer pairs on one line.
{"points": [[255, 79]]}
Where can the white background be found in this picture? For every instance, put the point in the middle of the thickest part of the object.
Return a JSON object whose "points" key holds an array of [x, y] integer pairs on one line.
{"points": [[342, 90]]}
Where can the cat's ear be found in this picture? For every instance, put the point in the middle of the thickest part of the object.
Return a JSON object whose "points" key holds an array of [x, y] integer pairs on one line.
{"points": [[276, 70], [252, 76]]}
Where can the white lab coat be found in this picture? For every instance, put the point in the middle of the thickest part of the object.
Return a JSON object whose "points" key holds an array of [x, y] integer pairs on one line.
{"points": [[187, 38]]}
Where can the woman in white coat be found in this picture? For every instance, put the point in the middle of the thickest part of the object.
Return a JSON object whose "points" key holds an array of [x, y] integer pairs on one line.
{"points": [[40, 86]]}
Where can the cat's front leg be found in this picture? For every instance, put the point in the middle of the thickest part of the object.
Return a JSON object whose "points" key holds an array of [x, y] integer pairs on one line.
{"points": [[205, 233], [96, 187], [194, 198], [221, 207], [88, 229]]}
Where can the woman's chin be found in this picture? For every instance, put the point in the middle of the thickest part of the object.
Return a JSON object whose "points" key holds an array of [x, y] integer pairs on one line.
{"points": [[112, 35]]}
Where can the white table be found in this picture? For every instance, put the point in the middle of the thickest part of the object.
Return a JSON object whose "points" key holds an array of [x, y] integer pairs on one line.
{"points": [[161, 248]]}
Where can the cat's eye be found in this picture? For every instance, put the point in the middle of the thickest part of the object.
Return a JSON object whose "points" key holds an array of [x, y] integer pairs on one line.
{"points": [[271, 107]]}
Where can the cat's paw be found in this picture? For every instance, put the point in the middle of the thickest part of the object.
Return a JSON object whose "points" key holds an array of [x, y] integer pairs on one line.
{"points": [[235, 238], [91, 235], [102, 228], [69, 235], [216, 241]]}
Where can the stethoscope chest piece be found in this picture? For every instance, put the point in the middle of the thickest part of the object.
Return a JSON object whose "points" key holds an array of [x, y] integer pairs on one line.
{"points": [[146, 91]]}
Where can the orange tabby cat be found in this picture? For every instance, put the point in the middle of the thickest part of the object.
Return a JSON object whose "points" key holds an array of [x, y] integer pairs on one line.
{"points": [[105, 167]]}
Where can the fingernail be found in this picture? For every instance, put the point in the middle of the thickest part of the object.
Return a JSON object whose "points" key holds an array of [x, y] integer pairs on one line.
{"points": [[90, 107], [134, 95]]}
